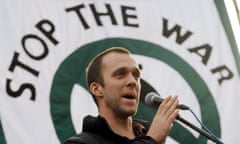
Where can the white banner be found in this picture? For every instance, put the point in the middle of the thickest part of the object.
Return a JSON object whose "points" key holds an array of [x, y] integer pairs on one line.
{"points": [[183, 47]]}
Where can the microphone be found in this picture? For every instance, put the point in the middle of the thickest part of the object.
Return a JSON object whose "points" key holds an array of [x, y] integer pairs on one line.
{"points": [[155, 100]]}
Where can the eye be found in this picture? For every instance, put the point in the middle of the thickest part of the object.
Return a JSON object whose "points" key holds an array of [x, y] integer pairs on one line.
{"points": [[120, 74], [136, 74]]}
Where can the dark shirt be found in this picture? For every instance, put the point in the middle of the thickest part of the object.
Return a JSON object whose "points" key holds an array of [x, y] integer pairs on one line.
{"points": [[99, 129]]}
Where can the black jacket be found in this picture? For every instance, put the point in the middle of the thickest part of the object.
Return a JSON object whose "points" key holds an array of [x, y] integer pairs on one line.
{"points": [[97, 131]]}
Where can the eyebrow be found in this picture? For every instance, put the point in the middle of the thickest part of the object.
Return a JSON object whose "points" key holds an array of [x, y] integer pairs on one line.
{"points": [[137, 69]]}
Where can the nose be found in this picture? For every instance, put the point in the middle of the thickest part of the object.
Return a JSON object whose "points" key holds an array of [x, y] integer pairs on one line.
{"points": [[132, 81]]}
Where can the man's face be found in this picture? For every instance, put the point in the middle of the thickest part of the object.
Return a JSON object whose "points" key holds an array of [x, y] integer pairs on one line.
{"points": [[121, 89]]}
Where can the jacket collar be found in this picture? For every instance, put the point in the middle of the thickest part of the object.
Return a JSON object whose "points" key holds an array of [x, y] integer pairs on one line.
{"points": [[100, 126]]}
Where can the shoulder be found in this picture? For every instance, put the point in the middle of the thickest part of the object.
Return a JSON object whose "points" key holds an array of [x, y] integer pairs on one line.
{"points": [[82, 138]]}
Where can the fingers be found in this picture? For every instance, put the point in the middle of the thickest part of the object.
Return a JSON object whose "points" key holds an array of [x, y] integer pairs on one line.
{"points": [[171, 112], [164, 118], [168, 106]]}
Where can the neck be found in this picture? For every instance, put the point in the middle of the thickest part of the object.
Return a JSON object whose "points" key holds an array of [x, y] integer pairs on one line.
{"points": [[121, 126]]}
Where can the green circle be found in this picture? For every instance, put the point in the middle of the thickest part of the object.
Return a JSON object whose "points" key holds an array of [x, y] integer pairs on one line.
{"points": [[72, 71], [2, 136]]}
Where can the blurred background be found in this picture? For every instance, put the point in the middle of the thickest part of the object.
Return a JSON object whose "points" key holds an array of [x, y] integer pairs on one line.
{"points": [[188, 48]]}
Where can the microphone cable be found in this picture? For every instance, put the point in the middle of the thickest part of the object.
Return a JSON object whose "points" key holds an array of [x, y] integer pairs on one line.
{"points": [[205, 128]]}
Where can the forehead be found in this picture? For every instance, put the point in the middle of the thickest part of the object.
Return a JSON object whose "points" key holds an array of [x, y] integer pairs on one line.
{"points": [[114, 60]]}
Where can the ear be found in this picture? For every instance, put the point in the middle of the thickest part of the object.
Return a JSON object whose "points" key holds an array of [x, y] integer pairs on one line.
{"points": [[96, 89]]}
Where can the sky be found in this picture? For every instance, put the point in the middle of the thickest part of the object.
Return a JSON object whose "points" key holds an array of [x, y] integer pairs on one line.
{"points": [[234, 20]]}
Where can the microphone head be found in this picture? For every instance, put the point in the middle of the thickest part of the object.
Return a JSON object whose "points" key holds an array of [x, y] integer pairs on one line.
{"points": [[149, 99], [154, 100]]}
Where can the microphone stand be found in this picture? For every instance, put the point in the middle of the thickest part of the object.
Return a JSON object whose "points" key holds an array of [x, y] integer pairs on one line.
{"points": [[202, 132]]}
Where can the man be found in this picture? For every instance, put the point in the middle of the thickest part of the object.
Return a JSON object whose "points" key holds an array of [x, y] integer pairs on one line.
{"points": [[113, 79]]}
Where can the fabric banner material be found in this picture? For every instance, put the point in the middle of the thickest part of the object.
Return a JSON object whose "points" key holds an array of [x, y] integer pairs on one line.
{"points": [[184, 48]]}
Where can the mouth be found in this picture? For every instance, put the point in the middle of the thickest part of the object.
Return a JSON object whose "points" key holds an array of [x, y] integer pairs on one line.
{"points": [[130, 97]]}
